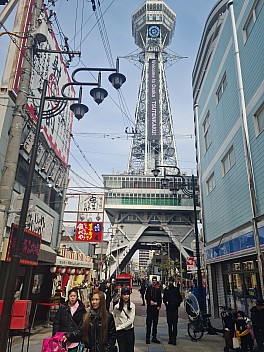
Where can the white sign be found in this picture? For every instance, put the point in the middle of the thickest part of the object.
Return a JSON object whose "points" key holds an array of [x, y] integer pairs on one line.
{"points": [[91, 203], [191, 264], [40, 222]]}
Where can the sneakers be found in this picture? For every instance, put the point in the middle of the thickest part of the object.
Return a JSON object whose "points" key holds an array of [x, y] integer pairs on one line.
{"points": [[155, 340], [147, 341]]}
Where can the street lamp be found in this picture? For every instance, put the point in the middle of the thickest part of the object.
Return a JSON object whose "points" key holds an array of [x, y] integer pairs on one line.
{"points": [[79, 110], [178, 183]]}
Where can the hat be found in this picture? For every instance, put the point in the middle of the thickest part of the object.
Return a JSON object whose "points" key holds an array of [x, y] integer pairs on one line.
{"points": [[125, 290], [260, 302], [171, 279]]}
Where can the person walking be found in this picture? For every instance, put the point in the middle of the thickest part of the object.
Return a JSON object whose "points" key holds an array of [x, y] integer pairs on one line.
{"points": [[124, 315], [142, 291], [98, 330], [172, 299], [153, 298], [69, 317], [257, 319]]}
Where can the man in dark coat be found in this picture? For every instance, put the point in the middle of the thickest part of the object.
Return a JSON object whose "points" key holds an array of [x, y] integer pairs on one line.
{"points": [[172, 300], [64, 321], [153, 298], [257, 319], [142, 291]]}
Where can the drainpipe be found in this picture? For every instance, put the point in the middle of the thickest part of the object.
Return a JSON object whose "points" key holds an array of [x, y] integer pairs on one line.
{"points": [[249, 164]]}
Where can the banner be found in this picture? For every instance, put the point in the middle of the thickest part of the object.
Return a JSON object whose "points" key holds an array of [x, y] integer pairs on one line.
{"points": [[153, 114]]}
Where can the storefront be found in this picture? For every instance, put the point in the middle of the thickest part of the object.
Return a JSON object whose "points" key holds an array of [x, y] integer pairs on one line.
{"points": [[233, 274]]}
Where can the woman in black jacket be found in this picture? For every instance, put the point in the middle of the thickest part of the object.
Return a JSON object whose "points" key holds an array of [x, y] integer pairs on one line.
{"points": [[69, 317], [98, 331]]}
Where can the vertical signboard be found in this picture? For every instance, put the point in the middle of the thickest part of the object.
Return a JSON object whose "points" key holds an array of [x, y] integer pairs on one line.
{"points": [[50, 66], [89, 227], [153, 99]]}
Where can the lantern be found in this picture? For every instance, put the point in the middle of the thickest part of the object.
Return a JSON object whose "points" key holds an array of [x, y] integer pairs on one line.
{"points": [[76, 271], [53, 269], [68, 271], [63, 270], [72, 272], [58, 270]]}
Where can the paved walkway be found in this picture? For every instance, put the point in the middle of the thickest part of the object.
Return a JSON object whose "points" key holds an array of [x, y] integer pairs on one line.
{"points": [[184, 344]]}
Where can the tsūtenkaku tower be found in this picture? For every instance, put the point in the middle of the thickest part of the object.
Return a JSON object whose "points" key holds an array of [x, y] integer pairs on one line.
{"points": [[153, 27], [143, 213]]}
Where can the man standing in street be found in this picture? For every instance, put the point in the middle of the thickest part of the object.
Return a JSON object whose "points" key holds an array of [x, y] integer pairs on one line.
{"points": [[142, 291], [153, 298], [257, 319], [172, 300]]}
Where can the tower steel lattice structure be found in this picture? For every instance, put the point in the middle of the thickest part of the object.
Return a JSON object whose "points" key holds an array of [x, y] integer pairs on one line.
{"points": [[153, 27]]}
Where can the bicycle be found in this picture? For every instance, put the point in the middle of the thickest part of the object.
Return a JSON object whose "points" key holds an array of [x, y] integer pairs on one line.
{"points": [[199, 322]]}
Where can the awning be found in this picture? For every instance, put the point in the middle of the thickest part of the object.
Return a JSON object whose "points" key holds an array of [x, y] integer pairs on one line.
{"points": [[47, 254], [61, 261]]}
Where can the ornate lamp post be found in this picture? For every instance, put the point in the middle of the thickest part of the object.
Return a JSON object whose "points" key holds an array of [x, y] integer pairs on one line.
{"points": [[178, 183], [79, 110]]}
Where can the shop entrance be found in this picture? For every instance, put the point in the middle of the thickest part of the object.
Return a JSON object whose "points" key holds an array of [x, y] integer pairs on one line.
{"points": [[241, 283]]}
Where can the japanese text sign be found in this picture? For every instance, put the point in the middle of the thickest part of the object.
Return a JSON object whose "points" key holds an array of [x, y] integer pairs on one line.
{"points": [[89, 231], [30, 246]]}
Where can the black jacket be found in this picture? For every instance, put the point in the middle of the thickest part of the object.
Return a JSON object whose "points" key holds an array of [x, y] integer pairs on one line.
{"points": [[172, 298], [257, 319], [153, 294], [64, 322], [94, 335]]}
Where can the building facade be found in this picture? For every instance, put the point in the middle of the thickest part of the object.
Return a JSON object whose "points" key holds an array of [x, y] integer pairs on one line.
{"points": [[228, 92]]}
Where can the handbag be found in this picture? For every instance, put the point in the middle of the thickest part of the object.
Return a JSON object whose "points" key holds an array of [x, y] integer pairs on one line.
{"points": [[51, 344], [236, 343]]}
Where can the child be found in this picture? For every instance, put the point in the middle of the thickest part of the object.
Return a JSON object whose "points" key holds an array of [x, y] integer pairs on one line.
{"points": [[243, 332]]}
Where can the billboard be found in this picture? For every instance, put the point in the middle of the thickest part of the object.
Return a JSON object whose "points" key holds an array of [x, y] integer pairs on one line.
{"points": [[50, 66], [153, 112], [90, 218]]}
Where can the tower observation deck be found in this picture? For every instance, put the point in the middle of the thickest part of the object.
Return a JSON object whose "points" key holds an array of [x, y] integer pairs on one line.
{"points": [[144, 214]]}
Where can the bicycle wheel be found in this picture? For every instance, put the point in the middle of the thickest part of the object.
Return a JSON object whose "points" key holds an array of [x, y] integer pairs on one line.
{"points": [[195, 333]]}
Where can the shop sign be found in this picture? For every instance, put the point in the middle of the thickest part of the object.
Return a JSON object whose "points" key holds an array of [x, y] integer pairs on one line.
{"points": [[93, 203], [73, 263], [41, 223], [191, 264], [30, 246], [89, 231]]}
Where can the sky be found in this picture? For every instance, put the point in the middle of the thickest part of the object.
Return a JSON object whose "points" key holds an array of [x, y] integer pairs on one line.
{"points": [[103, 146], [109, 151]]}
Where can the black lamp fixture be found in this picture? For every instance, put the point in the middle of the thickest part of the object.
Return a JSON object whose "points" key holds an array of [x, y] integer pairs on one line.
{"points": [[192, 194]]}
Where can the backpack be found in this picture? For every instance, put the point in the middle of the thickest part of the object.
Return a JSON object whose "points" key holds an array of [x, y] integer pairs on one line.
{"points": [[53, 344]]}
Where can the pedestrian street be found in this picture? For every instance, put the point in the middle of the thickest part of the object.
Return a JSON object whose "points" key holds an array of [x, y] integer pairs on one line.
{"points": [[208, 343]]}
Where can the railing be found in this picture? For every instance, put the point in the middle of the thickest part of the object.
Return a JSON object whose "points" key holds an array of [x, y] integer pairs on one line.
{"points": [[149, 201]]}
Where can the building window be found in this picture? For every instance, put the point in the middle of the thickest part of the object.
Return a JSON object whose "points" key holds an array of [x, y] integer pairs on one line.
{"points": [[259, 120], [210, 183], [207, 132], [221, 89], [252, 18], [228, 161]]}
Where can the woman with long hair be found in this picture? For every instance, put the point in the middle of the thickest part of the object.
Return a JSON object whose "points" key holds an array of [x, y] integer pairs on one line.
{"points": [[69, 317], [98, 331], [124, 315]]}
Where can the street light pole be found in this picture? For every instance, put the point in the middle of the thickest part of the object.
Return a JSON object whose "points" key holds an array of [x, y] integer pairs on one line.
{"points": [[197, 245]]}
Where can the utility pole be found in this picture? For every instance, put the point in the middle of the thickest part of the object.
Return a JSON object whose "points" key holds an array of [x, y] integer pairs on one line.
{"points": [[13, 147], [17, 125]]}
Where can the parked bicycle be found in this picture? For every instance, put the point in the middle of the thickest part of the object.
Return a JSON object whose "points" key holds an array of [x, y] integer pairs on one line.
{"points": [[199, 322]]}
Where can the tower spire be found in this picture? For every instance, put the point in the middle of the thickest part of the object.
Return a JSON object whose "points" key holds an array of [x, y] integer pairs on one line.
{"points": [[153, 27]]}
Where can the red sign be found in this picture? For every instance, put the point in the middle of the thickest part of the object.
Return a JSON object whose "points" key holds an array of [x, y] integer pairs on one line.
{"points": [[191, 264], [89, 231], [30, 246]]}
